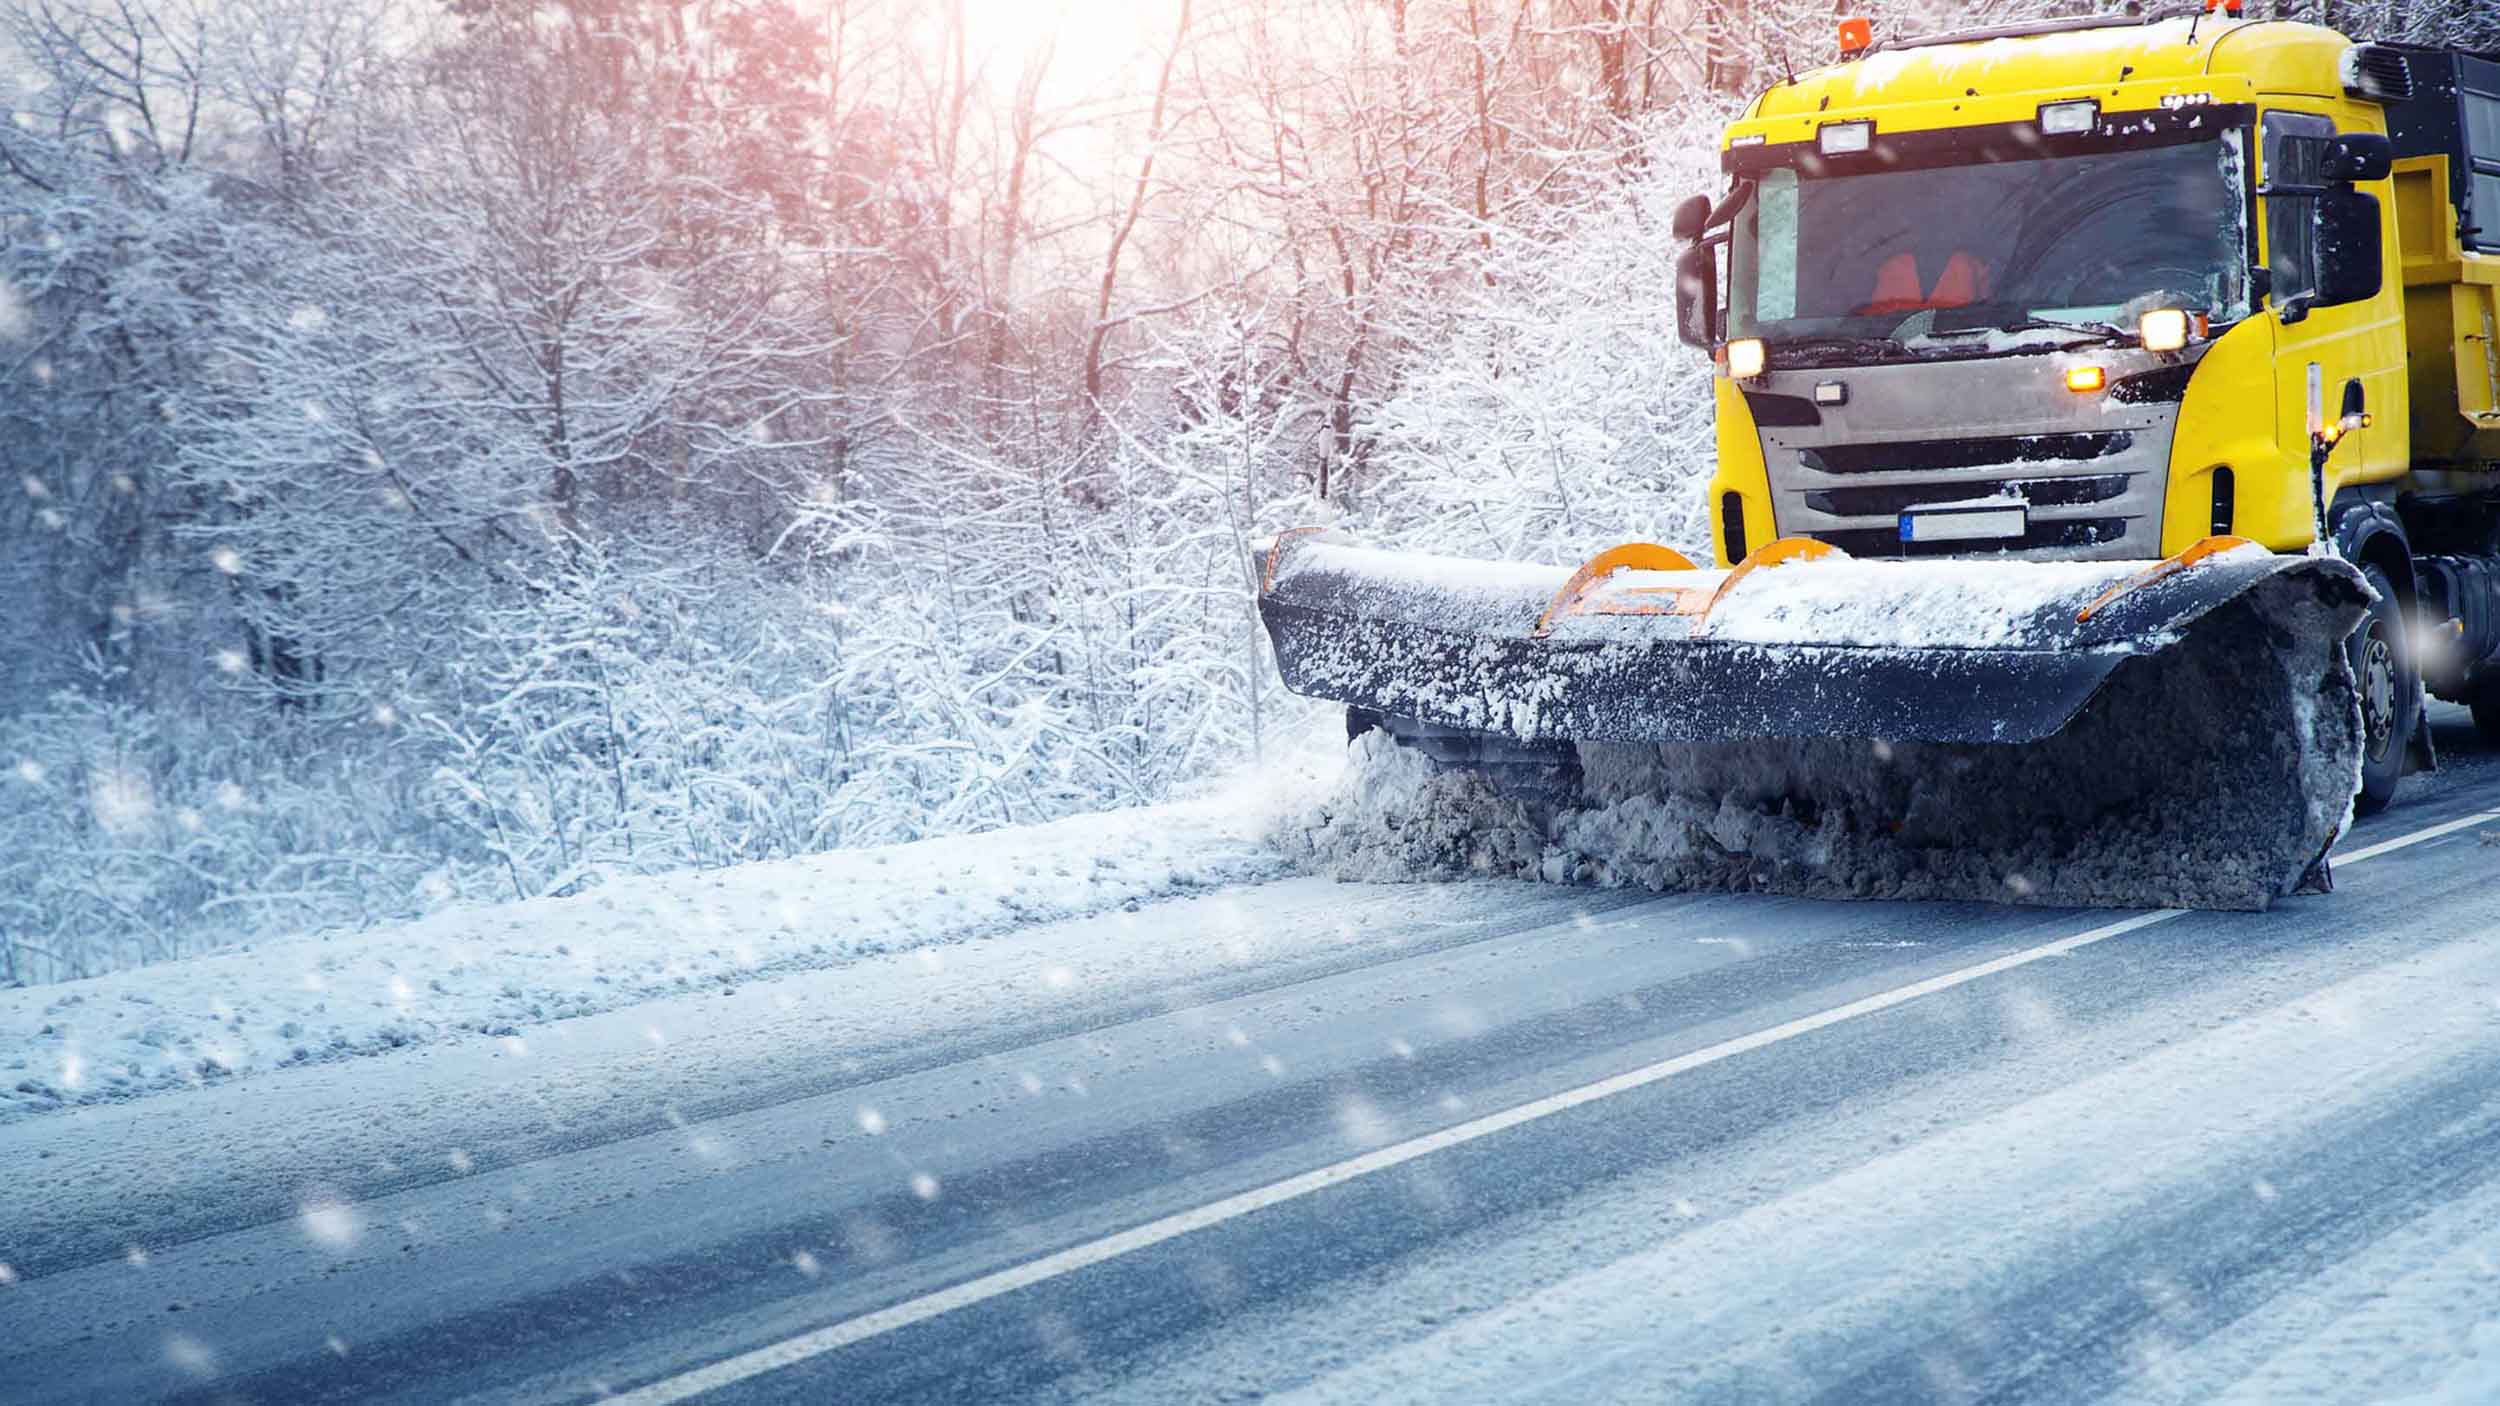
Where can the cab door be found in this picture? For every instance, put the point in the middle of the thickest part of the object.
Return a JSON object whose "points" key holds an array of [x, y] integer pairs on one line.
{"points": [[2320, 350]]}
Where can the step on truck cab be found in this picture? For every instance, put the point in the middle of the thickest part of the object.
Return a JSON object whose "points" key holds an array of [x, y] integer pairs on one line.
{"points": [[2106, 288]]}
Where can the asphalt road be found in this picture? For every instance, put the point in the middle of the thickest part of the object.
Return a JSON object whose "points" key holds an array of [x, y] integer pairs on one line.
{"points": [[1687, 1148]]}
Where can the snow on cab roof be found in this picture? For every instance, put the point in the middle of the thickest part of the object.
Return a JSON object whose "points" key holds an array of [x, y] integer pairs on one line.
{"points": [[1976, 66]]}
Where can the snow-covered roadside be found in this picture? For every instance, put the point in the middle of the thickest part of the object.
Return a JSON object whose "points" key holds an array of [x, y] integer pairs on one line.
{"points": [[496, 970], [675, 1077]]}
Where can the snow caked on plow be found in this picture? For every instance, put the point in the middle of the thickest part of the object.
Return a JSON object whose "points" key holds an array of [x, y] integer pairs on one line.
{"points": [[2182, 733]]}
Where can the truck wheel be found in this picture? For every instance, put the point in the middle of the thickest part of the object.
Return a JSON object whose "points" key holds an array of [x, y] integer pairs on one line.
{"points": [[2391, 694]]}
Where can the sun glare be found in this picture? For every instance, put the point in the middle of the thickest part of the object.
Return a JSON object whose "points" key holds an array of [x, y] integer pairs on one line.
{"points": [[1088, 42]]}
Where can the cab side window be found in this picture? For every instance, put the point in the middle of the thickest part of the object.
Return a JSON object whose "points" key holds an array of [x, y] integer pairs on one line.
{"points": [[2294, 146], [2482, 153]]}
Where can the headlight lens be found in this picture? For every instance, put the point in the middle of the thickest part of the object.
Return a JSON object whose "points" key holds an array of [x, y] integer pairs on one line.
{"points": [[2164, 329], [1745, 359], [1843, 138], [2069, 119]]}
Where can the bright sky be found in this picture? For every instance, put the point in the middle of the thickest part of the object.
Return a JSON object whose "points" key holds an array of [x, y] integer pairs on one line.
{"points": [[1097, 40]]}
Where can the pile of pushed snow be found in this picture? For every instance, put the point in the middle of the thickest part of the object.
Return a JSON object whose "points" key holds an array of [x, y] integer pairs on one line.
{"points": [[493, 971], [1395, 816]]}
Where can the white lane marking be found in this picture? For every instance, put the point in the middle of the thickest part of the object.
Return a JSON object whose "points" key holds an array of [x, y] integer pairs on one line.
{"points": [[2417, 837], [816, 1343]]}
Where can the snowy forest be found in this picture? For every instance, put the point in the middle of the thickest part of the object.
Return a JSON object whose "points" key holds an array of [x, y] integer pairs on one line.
{"points": [[461, 451]]}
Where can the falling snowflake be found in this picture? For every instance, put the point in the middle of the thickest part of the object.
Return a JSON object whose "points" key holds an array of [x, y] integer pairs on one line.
{"points": [[1361, 1121], [121, 801], [191, 1355], [871, 1122], [16, 323], [227, 560], [229, 796], [461, 1162], [924, 1186], [35, 488], [30, 771], [308, 318], [330, 1222], [806, 1264], [8, 1275], [230, 661]]}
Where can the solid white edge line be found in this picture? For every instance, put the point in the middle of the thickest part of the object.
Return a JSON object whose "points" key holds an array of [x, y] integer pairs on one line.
{"points": [[2417, 837], [788, 1351]]}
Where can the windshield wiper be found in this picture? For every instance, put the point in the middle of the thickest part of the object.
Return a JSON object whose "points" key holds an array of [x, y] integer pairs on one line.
{"points": [[2035, 324], [1839, 342]]}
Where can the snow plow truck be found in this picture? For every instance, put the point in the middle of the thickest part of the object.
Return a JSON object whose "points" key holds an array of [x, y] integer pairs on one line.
{"points": [[2108, 431]]}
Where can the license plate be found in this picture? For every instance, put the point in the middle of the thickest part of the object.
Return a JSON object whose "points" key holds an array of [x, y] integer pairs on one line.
{"points": [[1964, 524]]}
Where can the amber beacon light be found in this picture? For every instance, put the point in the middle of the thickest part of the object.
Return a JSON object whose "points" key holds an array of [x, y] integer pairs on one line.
{"points": [[1857, 35]]}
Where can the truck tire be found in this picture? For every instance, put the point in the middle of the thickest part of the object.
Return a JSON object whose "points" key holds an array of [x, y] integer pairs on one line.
{"points": [[2391, 694]]}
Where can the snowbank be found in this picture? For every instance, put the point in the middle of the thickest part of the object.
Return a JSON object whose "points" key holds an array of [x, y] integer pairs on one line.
{"points": [[494, 971]]}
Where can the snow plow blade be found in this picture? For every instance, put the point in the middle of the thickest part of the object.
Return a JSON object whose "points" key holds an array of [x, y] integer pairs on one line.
{"points": [[1954, 728]]}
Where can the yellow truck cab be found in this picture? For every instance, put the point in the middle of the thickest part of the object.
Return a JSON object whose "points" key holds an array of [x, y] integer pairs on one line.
{"points": [[2107, 288]]}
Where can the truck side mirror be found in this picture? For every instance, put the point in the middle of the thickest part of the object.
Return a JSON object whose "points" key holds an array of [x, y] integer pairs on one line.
{"points": [[2357, 156], [1691, 217], [2350, 262], [1697, 296]]}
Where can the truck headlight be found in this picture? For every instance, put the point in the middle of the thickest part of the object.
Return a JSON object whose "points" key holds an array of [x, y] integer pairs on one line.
{"points": [[1745, 359], [1844, 138], [2072, 119], [2164, 329]]}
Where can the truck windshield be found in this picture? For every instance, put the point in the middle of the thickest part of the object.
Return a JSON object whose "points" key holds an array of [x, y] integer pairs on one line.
{"points": [[1945, 252]]}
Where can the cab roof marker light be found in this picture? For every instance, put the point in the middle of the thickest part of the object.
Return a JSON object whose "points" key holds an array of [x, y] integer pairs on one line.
{"points": [[2070, 119], [1845, 138]]}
